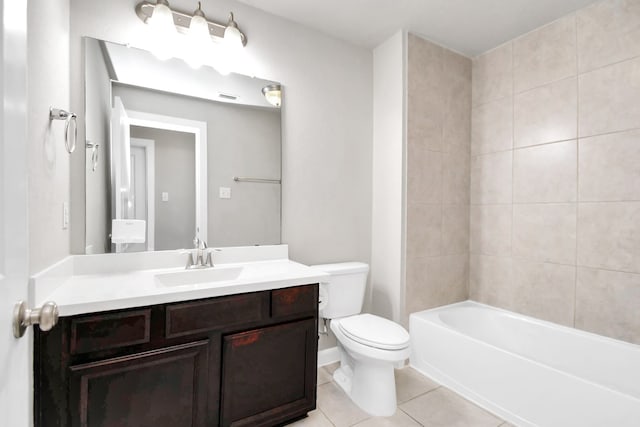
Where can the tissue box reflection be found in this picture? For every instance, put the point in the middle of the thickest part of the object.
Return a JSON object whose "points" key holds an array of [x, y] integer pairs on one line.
{"points": [[128, 230]]}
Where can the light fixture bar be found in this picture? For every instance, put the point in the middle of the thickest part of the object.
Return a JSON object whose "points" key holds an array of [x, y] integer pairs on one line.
{"points": [[144, 10]]}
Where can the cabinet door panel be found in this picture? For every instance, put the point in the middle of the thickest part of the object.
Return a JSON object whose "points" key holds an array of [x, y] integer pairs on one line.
{"points": [[268, 374], [166, 387]]}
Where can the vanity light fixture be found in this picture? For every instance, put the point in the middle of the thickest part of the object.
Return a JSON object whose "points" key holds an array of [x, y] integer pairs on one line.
{"points": [[273, 94], [194, 26]]}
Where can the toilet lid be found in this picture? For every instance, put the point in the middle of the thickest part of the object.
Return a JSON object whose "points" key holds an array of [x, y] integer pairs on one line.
{"points": [[375, 332]]}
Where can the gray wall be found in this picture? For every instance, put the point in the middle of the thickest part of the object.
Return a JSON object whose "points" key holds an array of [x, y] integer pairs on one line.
{"points": [[48, 85], [175, 156], [241, 141], [327, 121], [97, 120]]}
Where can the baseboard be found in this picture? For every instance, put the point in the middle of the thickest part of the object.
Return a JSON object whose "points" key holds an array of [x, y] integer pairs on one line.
{"points": [[328, 356]]}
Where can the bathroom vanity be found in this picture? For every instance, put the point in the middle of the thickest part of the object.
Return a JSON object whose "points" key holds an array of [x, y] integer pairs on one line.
{"points": [[234, 359]]}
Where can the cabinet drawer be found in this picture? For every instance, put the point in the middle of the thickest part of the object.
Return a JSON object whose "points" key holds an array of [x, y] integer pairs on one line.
{"points": [[107, 331], [195, 317], [296, 300]]}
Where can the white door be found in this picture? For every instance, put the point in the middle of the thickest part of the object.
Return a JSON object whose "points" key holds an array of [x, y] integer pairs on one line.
{"points": [[16, 376], [138, 195], [121, 205], [121, 163], [148, 181], [142, 190]]}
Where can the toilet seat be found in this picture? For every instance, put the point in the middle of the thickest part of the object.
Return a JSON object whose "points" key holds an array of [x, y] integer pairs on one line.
{"points": [[375, 331]]}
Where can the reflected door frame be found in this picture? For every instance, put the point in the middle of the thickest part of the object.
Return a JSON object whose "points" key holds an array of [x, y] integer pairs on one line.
{"points": [[199, 130], [150, 170]]}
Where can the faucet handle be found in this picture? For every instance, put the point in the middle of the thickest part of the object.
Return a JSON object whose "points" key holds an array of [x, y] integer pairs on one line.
{"points": [[209, 261], [189, 254]]}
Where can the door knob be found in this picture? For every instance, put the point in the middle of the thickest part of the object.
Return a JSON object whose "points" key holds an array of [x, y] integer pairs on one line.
{"points": [[46, 317]]}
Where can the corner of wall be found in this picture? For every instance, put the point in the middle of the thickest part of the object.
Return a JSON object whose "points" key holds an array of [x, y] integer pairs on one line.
{"points": [[387, 197]]}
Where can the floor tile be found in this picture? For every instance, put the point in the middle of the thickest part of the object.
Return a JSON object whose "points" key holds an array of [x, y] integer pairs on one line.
{"points": [[314, 419], [338, 407], [443, 408], [399, 419], [410, 383], [332, 367], [324, 376]]}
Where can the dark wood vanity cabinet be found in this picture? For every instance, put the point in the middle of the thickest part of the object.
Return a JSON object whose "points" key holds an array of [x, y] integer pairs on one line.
{"points": [[239, 360]]}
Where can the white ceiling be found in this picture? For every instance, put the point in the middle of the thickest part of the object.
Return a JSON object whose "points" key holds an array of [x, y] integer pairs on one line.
{"points": [[470, 27]]}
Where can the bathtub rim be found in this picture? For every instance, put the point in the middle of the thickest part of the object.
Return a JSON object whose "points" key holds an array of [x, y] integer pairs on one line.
{"points": [[444, 379], [519, 316]]}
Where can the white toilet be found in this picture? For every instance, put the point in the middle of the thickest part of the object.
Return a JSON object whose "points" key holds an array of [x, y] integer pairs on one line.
{"points": [[370, 346]]}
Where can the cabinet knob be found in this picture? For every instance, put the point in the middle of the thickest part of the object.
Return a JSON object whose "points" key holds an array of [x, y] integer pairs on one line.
{"points": [[46, 317]]}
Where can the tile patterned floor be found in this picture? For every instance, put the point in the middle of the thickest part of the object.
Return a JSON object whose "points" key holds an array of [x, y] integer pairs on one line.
{"points": [[421, 402]]}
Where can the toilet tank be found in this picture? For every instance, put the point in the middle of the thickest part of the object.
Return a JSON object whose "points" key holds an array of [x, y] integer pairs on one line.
{"points": [[344, 292]]}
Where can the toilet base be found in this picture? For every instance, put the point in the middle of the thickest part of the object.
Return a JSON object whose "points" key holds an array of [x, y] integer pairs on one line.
{"points": [[370, 385], [342, 376]]}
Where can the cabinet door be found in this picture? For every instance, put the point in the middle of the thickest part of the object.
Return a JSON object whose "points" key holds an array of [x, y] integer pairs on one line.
{"points": [[269, 374], [165, 387]]}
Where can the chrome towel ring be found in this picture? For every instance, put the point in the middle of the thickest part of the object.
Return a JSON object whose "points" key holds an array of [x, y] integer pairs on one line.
{"points": [[94, 154], [59, 114]]}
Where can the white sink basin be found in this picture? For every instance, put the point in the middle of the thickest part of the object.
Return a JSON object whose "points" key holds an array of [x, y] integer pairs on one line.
{"points": [[197, 277]]}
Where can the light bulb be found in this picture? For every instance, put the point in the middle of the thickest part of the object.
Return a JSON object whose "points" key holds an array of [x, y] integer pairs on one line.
{"points": [[231, 47], [199, 43], [163, 31], [232, 37]]}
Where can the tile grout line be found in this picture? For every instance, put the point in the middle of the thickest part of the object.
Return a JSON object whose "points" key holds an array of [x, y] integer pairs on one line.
{"points": [[326, 417], [541, 144], [575, 281], [521, 258], [570, 202], [421, 394], [513, 166], [609, 64], [409, 415], [577, 76]]}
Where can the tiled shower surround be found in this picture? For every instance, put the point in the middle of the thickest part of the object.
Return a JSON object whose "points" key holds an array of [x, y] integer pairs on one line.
{"points": [[438, 138], [555, 172], [553, 225]]}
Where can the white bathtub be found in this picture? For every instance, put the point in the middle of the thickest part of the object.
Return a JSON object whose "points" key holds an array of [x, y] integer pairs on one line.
{"points": [[528, 371]]}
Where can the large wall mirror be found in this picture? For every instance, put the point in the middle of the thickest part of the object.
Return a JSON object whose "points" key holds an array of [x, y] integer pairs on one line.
{"points": [[174, 153]]}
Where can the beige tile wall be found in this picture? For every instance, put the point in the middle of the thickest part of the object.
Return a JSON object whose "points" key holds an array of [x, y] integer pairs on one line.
{"points": [[438, 165], [555, 172]]}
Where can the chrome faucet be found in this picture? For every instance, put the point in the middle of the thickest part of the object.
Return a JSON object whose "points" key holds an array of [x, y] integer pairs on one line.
{"points": [[202, 255]]}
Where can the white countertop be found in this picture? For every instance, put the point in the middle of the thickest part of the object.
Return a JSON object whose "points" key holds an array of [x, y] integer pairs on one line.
{"points": [[87, 284]]}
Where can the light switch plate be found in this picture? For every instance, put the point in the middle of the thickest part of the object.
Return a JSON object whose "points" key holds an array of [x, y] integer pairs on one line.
{"points": [[225, 192], [165, 196]]}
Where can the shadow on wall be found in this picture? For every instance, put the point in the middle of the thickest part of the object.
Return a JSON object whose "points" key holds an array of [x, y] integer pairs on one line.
{"points": [[383, 305]]}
